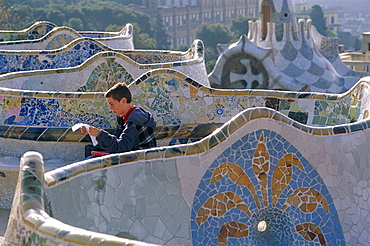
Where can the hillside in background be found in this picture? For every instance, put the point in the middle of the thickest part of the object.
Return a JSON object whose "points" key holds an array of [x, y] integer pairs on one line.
{"points": [[86, 15]]}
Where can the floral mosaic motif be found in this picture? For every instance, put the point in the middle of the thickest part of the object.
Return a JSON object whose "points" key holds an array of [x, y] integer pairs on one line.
{"points": [[261, 191], [106, 75], [219, 204], [310, 231], [232, 229], [156, 93]]}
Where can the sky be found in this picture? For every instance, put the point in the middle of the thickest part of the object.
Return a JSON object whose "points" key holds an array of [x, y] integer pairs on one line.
{"points": [[345, 5]]}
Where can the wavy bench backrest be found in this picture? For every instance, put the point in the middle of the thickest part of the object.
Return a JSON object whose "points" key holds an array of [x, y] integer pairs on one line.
{"points": [[61, 36], [184, 109]]}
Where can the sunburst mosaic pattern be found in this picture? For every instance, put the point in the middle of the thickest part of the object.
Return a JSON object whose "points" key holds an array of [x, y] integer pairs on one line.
{"points": [[106, 75], [261, 191]]}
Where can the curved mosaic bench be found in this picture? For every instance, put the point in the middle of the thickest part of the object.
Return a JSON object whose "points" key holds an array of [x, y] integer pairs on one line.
{"points": [[32, 226], [106, 68], [61, 36], [185, 111], [42, 28], [79, 50], [260, 179], [35, 31], [73, 54]]}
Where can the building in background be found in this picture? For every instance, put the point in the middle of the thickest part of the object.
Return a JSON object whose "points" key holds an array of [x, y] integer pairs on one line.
{"points": [[330, 15], [182, 17], [359, 61]]}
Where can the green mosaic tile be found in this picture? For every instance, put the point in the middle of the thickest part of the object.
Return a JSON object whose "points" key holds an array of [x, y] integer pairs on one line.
{"points": [[322, 121], [296, 107], [343, 110], [285, 112], [332, 121], [299, 116], [324, 113], [284, 105], [357, 113], [316, 120]]}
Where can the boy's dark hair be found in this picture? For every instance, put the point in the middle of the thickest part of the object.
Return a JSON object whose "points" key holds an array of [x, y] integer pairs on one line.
{"points": [[119, 91]]}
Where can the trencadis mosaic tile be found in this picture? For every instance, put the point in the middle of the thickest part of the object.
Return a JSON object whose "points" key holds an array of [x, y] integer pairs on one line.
{"points": [[175, 100], [30, 193], [45, 35], [259, 176], [37, 30], [262, 191]]}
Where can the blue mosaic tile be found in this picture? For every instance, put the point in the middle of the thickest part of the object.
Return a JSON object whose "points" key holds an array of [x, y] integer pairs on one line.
{"points": [[75, 56]]}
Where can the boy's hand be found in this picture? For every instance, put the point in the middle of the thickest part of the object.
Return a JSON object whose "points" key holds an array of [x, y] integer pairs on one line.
{"points": [[93, 131], [84, 131]]}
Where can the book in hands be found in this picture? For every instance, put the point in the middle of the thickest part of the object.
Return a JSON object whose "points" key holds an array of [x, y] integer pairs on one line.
{"points": [[79, 125]]}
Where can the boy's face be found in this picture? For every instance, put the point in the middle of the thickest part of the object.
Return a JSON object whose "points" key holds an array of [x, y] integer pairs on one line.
{"points": [[118, 107]]}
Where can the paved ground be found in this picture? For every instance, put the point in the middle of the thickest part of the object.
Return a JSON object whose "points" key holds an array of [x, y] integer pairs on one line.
{"points": [[4, 215]]}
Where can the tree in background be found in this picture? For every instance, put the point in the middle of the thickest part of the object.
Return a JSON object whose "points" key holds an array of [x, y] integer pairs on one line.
{"points": [[160, 34], [211, 35], [240, 26], [56, 15], [8, 16], [182, 47], [318, 20], [75, 23], [142, 40], [86, 15]]}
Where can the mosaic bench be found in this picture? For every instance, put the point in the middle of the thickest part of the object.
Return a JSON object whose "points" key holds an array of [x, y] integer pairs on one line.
{"points": [[262, 178], [32, 174], [184, 109], [41, 28], [35, 31], [61, 36], [186, 112], [80, 50], [105, 68]]}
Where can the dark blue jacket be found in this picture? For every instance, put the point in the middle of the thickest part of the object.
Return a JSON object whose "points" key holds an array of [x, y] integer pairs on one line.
{"points": [[137, 133]]}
